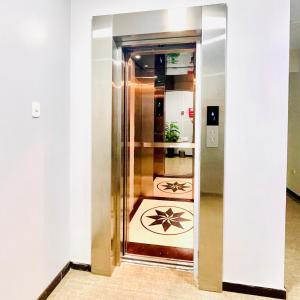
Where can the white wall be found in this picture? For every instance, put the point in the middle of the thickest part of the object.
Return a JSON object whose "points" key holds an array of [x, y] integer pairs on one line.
{"points": [[34, 187], [256, 133], [293, 173]]}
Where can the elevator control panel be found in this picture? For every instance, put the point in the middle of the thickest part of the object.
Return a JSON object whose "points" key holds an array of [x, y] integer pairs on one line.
{"points": [[212, 127]]}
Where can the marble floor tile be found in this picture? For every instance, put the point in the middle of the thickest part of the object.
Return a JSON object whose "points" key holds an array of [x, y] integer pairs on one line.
{"points": [[162, 222], [173, 187]]}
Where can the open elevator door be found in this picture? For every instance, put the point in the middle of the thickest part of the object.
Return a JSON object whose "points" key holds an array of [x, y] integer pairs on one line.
{"points": [[159, 153], [110, 33]]}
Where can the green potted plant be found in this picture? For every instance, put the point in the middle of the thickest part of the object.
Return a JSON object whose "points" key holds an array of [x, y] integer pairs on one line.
{"points": [[172, 135]]}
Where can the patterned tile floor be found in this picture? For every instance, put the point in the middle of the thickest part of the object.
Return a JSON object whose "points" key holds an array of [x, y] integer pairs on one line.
{"points": [[173, 187], [148, 227], [126, 283]]}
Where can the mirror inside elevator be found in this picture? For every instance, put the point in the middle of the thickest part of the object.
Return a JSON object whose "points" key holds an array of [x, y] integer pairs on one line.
{"points": [[159, 153]]}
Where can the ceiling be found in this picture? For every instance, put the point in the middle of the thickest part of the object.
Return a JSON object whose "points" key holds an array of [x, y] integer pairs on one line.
{"points": [[295, 24]]}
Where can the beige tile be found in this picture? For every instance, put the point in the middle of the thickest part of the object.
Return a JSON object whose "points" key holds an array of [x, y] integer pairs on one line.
{"points": [[148, 283], [178, 166], [292, 254], [136, 282]]}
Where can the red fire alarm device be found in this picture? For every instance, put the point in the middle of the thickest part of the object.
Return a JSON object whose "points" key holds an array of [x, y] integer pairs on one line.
{"points": [[191, 112]]}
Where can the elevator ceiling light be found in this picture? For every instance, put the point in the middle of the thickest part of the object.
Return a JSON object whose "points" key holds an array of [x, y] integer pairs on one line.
{"points": [[137, 56]]}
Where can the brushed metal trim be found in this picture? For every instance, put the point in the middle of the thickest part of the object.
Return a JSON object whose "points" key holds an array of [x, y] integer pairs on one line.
{"points": [[210, 259], [196, 153], [128, 70], [157, 37], [103, 218], [163, 22], [159, 48], [164, 41], [117, 150], [152, 261]]}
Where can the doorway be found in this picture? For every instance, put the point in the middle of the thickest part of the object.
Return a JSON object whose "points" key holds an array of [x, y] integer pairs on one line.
{"points": [[164, 34], [159, 153]]}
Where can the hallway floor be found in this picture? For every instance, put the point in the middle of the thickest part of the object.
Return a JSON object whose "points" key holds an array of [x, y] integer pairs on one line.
{"points": [[161, 283], [292, 250], [127, 283]]}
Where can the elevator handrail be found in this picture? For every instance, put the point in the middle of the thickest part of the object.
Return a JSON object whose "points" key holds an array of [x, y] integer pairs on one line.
{"points": [[164, 145]]}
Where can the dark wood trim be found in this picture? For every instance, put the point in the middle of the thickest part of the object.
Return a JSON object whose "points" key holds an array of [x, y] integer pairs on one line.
{"points": [[160, 251], [167, 199], [177, 155], [54, 283], [80, 267], [135, 208], [58, 278], [254, 290], [293, 195], [187, 176]]}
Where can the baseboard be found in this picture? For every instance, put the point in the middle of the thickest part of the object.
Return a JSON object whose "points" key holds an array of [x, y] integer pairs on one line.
{"points": [[80, 267], [293, 194], [54, 283], [254, 290], [58, 278]]}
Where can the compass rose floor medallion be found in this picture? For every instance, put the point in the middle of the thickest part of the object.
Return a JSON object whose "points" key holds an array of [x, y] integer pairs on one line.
{"points": [[173, 187], [162, 222]]}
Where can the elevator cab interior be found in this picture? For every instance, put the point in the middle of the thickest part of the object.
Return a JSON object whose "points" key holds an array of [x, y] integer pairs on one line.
{"points": [[159, 91]]}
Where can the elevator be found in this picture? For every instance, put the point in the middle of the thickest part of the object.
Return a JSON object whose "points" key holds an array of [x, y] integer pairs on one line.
{"points": [[159, 153], [158, 115]]}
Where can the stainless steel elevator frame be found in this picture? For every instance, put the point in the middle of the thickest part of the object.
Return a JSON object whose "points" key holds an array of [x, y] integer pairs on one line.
{"points": [[205, 26]]}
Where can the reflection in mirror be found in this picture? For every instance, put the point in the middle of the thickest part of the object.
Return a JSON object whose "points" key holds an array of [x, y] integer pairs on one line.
{"points": [[179, 114], [172, 77]]}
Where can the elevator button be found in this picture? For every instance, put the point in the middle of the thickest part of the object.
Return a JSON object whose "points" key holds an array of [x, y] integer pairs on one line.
{"points": [[212, 136]]}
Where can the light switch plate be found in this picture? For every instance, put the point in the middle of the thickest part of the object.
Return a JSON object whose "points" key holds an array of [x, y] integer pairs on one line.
{"points": [[212, 136], [35, 109]]}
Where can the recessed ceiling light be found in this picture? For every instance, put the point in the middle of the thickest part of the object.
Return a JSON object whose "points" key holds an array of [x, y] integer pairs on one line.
{"points": [[137, 56]]}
